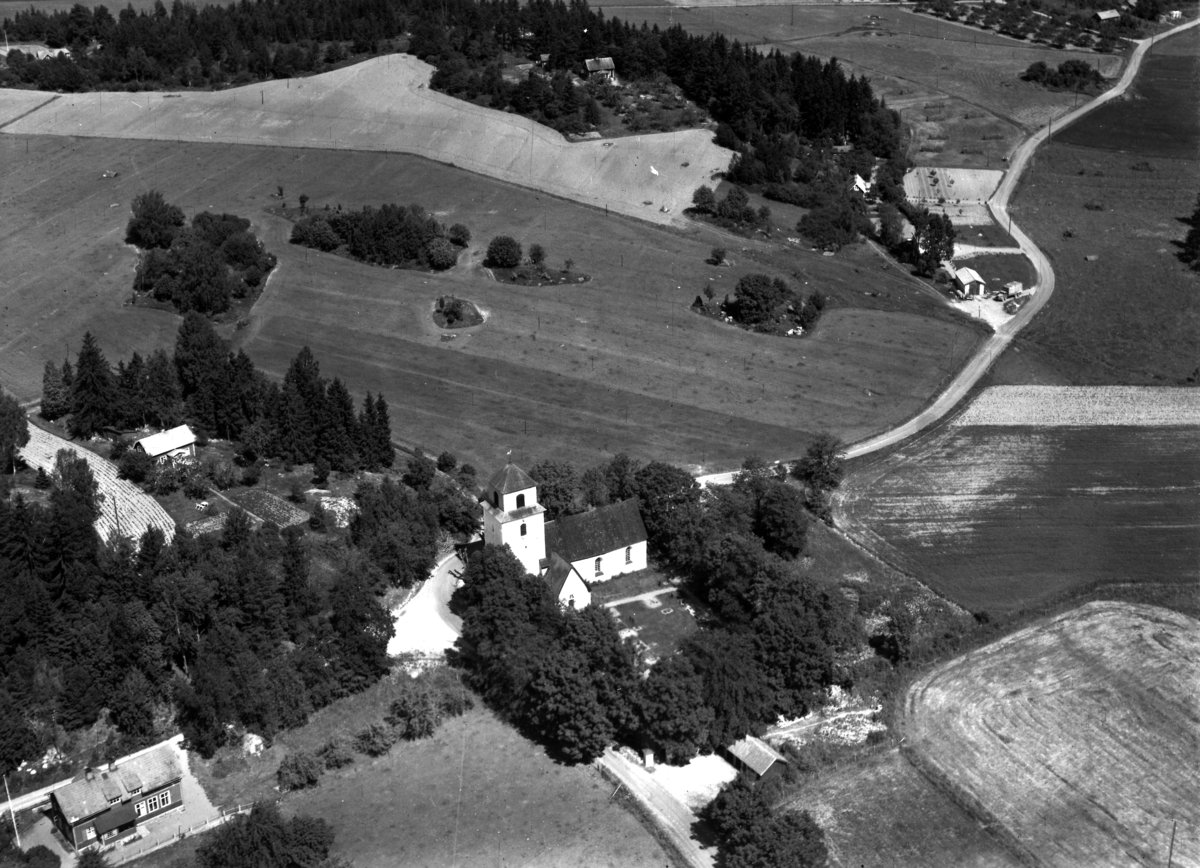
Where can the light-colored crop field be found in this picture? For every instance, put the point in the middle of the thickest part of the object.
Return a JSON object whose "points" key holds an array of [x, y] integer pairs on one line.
{"points": [[577, 372], [383, 104], [867, 813], [1078, 736], [1075, 406], [1003, 518]]}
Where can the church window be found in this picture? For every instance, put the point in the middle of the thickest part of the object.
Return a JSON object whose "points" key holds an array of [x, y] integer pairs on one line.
{"points": [[599, 571], [520, 501], [524, 530], [629, 554]]}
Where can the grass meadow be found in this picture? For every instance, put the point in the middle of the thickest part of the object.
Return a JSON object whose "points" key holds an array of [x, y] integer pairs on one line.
{"points": [[582, 371], [1131, 316], [1073, 739], [475, 794], [998, 519]]}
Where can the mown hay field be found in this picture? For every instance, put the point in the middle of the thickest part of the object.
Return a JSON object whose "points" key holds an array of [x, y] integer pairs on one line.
{"points": [[1083, 406], [577, 371], [866, 810], [1002, 518], [1076, 737], [383, 104]]}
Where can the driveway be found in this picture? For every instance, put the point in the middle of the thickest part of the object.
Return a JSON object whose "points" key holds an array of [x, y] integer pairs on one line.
{"points": [[425, 624]]}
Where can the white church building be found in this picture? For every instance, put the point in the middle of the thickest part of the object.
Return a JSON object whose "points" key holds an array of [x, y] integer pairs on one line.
{"points": [[570, 553]]}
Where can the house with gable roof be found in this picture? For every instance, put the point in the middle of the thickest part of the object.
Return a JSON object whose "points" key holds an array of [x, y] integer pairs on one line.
{"points": [[105, 805], [177, 442], [757, 757], [571, 552]]}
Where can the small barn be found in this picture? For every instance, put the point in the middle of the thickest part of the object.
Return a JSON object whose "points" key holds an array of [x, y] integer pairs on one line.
{"points": [[757, 757], [969, 282], [1107, 15], [602, 543], [601, 69], [178, 442], [1174, 15], [566, 584], [861, 185], [1013, 288]]}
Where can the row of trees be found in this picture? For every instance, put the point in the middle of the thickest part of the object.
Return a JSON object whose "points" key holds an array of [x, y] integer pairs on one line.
{"points": [[394, 235], [201, 267], [306, 418], [1070, 75]]}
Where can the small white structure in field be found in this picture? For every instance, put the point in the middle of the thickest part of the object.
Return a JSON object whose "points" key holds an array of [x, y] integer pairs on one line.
{"points": [[969, 282], [1108, 15], [252, 745], [1013, 288], [178, 442], [860, 185], [1174, 15]]}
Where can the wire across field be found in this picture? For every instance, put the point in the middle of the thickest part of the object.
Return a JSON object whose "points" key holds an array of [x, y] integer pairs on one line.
{"points": [[1077, 736], [1000, 518]]}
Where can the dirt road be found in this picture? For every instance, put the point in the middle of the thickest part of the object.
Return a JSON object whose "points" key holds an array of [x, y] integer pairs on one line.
{"points": [[424, 624]]}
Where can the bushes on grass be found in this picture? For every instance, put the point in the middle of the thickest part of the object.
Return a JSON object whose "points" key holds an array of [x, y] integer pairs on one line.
{"points": [[503, 252], [441, 254], [336, 753], [376, 740], [404, 236], [459, 235], [299, 771]]}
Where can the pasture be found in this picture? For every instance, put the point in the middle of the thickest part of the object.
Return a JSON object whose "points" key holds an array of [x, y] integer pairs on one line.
{"points": [[1075, 738], [576, 372], [383, 104], [474, 791], [1132, 315], [1154, 118], [866, 810], [1001, 518]]}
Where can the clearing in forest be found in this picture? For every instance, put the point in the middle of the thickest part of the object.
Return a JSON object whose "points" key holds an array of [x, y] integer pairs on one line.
{"points": [[1075, 738]]}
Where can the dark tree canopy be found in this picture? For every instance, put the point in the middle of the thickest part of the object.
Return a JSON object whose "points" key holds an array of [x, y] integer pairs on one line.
{"points": [[504, 252], [154, 222], [14, 429]]}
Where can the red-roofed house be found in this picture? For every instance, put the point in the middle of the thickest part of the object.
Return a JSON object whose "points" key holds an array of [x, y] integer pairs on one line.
{"points": [[569, 553], [105, 805]]}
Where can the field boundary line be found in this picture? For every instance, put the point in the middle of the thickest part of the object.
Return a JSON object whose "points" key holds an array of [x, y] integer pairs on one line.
{"points": [[25, 114]]}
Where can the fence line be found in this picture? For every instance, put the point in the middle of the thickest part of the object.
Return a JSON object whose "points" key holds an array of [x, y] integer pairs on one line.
{"points": [[223, 815]]}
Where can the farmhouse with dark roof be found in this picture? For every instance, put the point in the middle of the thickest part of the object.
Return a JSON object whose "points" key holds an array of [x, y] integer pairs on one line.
{"points": [[571, 552], [105, 805]]}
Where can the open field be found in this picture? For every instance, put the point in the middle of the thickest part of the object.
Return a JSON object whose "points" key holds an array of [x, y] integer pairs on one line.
{"points": [[867, 813], [1155, 118], [475, 794], [1000, 518], [578, 372], [383, 104], [1077, 737], [1083, 406]]}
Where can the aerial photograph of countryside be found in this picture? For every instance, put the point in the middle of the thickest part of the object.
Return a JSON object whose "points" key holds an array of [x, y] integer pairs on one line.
{"points": [[600, 434]]}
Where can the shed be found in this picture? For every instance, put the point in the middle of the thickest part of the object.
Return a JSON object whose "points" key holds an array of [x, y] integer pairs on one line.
{"points": [[252, 745], [861, 185], [1013, 288], [1174, 15], [757, 757], [601, 69], [1108, 15], [969, 282], [178, 442]]}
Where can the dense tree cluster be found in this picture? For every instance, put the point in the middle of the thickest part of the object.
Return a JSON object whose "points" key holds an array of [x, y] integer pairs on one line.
{"points": [[565, 675], [263, 838], [201, 267], [1190, 253], [1070, 75], [396, 235], [305, 419], [14, 430], [733, 211], [752, 835], [770, 305]]}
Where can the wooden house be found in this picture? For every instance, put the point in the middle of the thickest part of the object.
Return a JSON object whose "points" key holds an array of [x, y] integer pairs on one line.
{"points": [[178, 442], [757, 757]]}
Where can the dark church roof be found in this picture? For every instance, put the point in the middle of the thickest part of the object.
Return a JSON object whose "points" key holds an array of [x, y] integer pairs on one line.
{"points": [[510, 478], [557, 573], [595, 533]]}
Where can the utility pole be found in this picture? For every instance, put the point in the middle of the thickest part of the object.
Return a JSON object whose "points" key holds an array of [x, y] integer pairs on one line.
{"points": [[17, 831], [1170, 852]]}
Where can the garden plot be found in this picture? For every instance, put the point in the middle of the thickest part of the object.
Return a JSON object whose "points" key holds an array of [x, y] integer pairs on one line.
{"points": [[960, 193], [1075, 739], [1083, 406], [269, 507], [384, 104], [125, 510]]}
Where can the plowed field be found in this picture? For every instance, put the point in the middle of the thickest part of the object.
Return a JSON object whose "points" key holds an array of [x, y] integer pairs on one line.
{"points": [[1076, 739], [998, 518]]}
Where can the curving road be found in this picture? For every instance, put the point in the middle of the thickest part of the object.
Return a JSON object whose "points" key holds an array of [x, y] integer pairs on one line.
{"points": [[991, 349]]}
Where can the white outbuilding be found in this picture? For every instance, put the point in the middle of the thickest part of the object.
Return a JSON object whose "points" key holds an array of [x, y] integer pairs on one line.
{"points": [[178, 442]]}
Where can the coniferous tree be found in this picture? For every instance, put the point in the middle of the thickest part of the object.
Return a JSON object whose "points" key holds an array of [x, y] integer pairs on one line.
{"points": [[56, 395], [130, 382], [14, 429], [164, 404], [367, 424], [385, 453], [92, 391], [200, 359], [340, 434]]}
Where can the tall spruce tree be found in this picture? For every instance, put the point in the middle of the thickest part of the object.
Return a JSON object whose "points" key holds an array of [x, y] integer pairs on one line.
{"points": [[14, 429], [56, 395], [164, 403], [366, 434], [92, 392], [200, 360], [385, 453], [130, 410], [340, 434]]}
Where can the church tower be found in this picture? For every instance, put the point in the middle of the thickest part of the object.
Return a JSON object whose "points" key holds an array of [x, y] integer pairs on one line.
{"points": [[513, 517]]}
